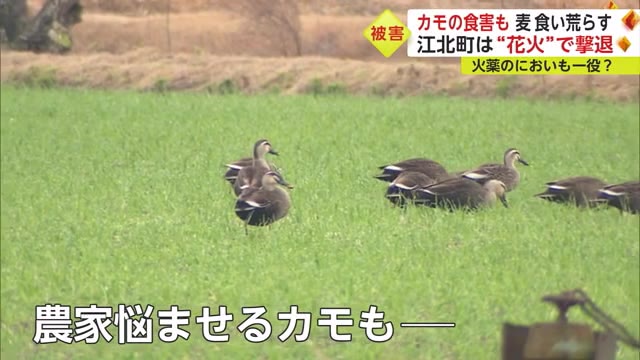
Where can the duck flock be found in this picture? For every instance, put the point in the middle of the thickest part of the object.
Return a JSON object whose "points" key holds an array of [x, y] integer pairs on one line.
{"points": [[262, 195]]}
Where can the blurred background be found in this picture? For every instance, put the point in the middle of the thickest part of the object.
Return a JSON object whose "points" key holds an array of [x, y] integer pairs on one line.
{"points": [[283, 46]]}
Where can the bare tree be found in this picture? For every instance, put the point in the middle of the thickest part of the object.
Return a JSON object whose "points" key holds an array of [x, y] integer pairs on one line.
{"points": [[275, 23], [49, 30], [13, 14], [168, 14]]}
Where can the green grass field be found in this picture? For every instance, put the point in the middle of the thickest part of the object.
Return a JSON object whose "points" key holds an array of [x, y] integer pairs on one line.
{"points": [[111, 198]]}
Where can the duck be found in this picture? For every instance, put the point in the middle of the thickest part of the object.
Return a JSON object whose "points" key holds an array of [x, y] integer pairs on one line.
{"points": [[250, 176], [581, 191], [403, 188], [234, 167], [506, 172], [623, 196], [462, 193], [265, 205], [429, 167]]}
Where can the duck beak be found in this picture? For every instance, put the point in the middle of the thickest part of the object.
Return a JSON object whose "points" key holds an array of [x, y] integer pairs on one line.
{"points": [[523, 162], [285, 184], [503, 199], [273, 152]]}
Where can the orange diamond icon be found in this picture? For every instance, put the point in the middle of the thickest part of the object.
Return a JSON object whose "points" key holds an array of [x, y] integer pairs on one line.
{"points": [[387, 33], [631, 19], [611, 5], [624, 43]]}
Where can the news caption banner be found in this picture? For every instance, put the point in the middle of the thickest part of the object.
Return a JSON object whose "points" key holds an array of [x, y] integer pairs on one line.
{"points": [[518, 41], [58, 323]]}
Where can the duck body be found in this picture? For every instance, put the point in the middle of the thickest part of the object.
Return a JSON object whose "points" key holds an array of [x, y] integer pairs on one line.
{"points": [[249, 174], [250, 177], [265, 205], [428, 167], [506, 172], [581, 191], [234, 167], [403, 189], [624, 196], [462, 193]]}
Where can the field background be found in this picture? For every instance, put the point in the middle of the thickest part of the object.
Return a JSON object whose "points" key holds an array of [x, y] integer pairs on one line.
{"points": [[115, 198], [124, 44], [112, 195]]}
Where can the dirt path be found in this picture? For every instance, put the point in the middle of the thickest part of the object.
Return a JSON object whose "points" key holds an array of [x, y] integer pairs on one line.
{"points": [[149, 69]]}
